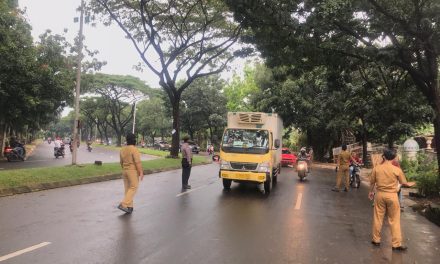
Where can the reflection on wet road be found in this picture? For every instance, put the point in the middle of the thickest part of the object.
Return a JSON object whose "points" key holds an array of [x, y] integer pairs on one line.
{"points": [[299, 222]]}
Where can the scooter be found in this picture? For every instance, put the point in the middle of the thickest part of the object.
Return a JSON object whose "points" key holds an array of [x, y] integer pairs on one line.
{"points": [[355, 179], [302, 169], [12, 154], [59, 152]]}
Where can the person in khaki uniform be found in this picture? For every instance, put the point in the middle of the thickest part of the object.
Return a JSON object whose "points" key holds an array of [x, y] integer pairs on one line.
{"points": [[131, 172], [385, 178], [343, 169]]}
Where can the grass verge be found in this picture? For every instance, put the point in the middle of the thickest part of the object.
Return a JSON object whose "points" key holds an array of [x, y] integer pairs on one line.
{"points": [[148, 151], [36, 176]]}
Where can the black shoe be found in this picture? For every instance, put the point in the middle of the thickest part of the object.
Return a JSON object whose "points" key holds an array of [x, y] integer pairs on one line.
{"points": [[130, 210], [400, 248], [120, 207], [335, 189], [185, 187], [377, 244]]}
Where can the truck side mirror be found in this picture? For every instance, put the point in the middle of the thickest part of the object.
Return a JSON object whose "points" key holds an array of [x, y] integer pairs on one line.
{"points": [[277, 143]]}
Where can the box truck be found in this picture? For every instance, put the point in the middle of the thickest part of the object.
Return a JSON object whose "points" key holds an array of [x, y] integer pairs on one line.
{"points": [[250, 149]]}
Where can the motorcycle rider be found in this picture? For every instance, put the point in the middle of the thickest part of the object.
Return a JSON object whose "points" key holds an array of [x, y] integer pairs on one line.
{"points": [[354, 161], [89, 144], [303, 155], [18, 147], [58, 144]]}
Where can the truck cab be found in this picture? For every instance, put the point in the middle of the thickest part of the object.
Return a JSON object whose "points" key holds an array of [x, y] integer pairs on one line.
{"points": [[251, 149]]}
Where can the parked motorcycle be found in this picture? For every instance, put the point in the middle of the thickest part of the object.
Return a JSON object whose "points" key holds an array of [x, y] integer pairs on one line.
{"points": [[302, 168], [355, 179], [12, 154], [59, 152]]}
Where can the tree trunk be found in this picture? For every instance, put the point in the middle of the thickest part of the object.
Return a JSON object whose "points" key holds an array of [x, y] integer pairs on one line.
{"points": [[390, 141], [118, 138], [2, 137], [437, 135], [176, 127]]}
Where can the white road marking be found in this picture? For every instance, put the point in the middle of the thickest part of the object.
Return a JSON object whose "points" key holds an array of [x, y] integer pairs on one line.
{"points": [[191, 190], [26, 250], [298, 201]]}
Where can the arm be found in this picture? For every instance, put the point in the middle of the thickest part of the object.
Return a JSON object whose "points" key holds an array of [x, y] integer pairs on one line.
{"points": [[137, 162], [402, 179], [120, 160], [372, 184]]}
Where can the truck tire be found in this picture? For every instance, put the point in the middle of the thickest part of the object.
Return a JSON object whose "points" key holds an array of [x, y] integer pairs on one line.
{"points": [[227, 184], [268, 186]]}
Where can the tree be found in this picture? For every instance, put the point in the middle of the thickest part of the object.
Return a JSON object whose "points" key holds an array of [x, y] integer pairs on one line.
{"points": [[405, 34], [153, 119], [118, 94], [188, 39], [204, 106]]}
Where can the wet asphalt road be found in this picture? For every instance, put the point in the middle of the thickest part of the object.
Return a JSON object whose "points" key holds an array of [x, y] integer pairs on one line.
{"points": [[207, 225], [43, 157]]}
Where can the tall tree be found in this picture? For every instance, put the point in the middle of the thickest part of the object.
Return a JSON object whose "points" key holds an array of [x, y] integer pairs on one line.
{"points": [[176, 40], [405, 34], [204, 106], [119, 94]]}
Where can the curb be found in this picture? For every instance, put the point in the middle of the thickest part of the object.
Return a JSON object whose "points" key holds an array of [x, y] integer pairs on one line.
{"points": [[54, 185]]}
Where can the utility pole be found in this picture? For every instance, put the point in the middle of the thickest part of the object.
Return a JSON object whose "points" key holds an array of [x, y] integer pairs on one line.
{"points": [[78, 87], [134, 116]]}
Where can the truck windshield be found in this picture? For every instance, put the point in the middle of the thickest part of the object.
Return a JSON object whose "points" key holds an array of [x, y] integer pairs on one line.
{"points": [[246, 141]]}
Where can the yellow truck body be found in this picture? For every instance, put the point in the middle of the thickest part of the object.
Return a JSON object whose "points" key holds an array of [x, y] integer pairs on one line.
{"points": [[251, 148]]}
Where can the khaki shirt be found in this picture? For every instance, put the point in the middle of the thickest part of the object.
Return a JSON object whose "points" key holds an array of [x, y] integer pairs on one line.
{"points": [[386, 176], [131, 159], [344, 159], [186, 152]]}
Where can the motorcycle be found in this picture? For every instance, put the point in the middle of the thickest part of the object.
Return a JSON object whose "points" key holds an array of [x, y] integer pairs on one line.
{"points": [[12, 154], [89, 147], [355, 179], [302, 169], [59, 152]]}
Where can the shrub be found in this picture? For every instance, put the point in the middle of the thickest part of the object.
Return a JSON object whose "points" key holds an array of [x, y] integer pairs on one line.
{"points": [[424, 171]]}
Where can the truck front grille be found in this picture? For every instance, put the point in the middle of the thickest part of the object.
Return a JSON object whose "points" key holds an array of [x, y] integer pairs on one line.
{"points": [[244, 166]]}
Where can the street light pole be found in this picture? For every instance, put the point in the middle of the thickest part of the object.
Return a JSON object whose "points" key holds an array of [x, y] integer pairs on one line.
{"points": [[78, 86]]}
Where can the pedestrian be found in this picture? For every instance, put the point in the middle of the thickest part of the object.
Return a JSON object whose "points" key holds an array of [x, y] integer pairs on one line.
{"points": [[186, 163], [132, 172], [343, 166], [385, 178]]}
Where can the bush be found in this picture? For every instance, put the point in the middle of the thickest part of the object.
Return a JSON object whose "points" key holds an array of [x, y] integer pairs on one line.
{"points": [[424, 171]]}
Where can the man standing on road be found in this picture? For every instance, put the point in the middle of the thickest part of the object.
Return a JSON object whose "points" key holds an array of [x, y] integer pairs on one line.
{"points": [[186, 163], [131, 172], [343, 169], [385, 178]]}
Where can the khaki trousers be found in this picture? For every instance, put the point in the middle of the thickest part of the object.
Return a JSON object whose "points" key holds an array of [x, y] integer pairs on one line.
{"points": [[131, 183], [387, 203], [343, 172]]}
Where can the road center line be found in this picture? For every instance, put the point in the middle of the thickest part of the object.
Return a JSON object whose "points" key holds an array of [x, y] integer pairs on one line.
{"points": [[298, 201], [20, 252], [192, 190]]}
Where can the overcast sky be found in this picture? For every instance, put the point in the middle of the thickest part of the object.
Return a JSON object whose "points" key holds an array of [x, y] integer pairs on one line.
{"points": [[113, 47]]}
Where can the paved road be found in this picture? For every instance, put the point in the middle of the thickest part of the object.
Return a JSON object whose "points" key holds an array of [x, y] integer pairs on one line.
{"points": [[43, 157], [297, 223]]}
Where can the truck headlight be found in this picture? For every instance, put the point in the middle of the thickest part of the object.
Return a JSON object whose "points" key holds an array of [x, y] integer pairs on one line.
{"points": [[225, 165], [264, 167]]}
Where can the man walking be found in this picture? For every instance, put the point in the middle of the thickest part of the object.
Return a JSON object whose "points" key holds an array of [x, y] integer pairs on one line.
{"points": [[343, 169], [385, 178], [132, 172], [186, 163]]}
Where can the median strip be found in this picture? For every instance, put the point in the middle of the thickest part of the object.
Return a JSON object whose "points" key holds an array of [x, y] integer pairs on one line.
{"points": [[38, 179]]}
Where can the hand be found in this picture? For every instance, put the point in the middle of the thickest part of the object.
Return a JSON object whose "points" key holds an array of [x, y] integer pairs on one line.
{"points": [[141, 176], [371, 196], [409, 184]]}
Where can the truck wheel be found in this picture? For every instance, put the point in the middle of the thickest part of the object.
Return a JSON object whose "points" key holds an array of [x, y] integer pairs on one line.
{"points": [[268, 186], [227, 184]]}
